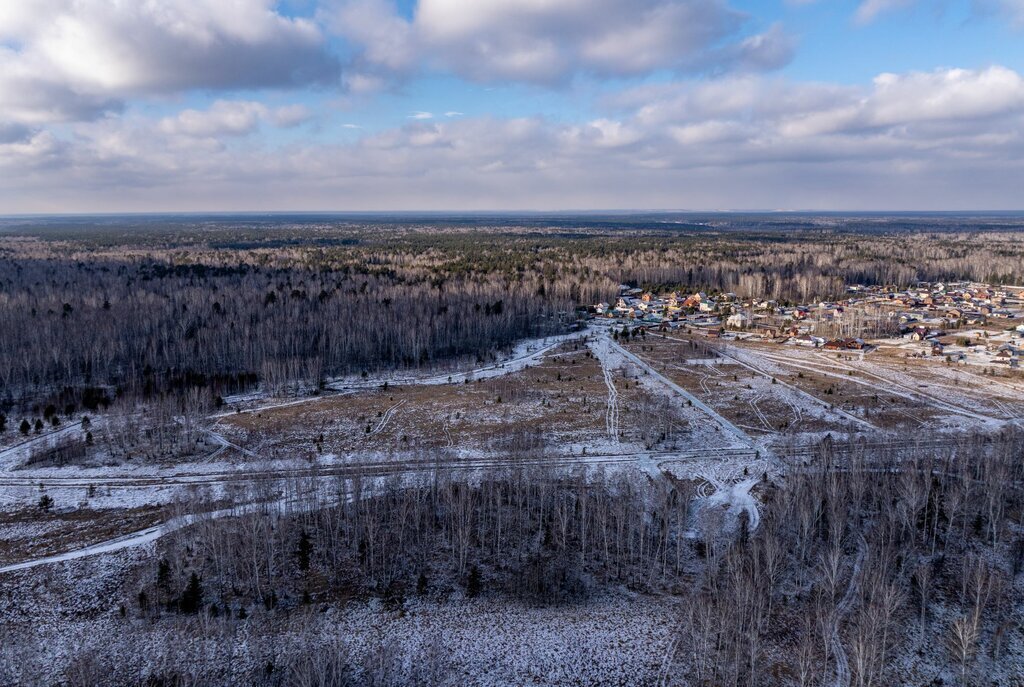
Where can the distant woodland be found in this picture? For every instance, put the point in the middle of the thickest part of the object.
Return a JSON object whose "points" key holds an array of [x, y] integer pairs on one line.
{"points": [[89, 315]]}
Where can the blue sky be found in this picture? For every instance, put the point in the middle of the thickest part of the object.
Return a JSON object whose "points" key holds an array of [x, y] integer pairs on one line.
{"points": [[510, 104]]}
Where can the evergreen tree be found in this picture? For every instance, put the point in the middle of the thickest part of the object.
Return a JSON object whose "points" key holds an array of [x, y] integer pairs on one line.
{"points": [[305, 549], [474, 584], [163, 575], [192, 598]]}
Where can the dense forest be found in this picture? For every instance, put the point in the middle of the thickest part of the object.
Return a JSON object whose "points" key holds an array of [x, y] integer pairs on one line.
{"points": [[117, 309]]}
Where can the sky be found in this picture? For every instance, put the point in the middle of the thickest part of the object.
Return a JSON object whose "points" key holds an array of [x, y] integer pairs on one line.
{"points": [[448, 105]]}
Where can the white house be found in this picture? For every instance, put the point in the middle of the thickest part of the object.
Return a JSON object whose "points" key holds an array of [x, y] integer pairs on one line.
{"points": [[736, 321]]}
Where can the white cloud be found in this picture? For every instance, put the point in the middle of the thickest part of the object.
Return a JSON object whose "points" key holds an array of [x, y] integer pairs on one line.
{"points": [[231, 118], [288, 116], [546, 42], [421, 115], [74, 59], [869, 10], [920, 97], [948, 138], [604, 133]]}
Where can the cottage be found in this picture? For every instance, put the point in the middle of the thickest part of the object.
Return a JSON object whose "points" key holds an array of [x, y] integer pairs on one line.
{"points": [[848, 344], [736, 321]]}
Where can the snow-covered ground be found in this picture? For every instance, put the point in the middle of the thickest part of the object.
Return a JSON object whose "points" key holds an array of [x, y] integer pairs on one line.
{"points": [[230, 475], [618, 638]]}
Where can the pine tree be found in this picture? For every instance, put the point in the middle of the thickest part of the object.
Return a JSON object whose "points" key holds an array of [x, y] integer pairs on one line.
{"points": [[474, 584], [163, 575], [192, 598], [305, 549]]}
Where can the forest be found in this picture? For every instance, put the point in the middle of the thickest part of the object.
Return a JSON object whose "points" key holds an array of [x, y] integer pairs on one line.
{"points": [[330, 452], [862, 555], [142, 310]]}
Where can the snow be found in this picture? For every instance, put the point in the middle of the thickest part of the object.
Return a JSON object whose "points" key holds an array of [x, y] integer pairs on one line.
{"points": [[616, 638], [729, 427]]}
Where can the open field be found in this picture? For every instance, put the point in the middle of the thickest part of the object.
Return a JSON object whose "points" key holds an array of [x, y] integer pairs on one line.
{"points": [[677, 400]]}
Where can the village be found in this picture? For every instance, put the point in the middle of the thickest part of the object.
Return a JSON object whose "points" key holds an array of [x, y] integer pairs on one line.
{"points": [[963, 322]]}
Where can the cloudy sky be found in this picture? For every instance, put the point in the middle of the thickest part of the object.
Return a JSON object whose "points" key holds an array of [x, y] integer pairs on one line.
{"points": [[175, 105]]}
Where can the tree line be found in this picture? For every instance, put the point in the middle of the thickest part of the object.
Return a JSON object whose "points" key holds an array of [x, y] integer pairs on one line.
{"points": [[145, 312]]}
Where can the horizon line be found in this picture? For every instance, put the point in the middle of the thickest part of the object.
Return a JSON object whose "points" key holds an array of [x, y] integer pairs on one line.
{"points": [[499, 212]]}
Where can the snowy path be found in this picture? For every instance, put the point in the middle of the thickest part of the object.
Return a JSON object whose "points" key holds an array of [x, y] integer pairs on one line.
{"points": [[729, 427], [696, 459], [892, 388], [760, 414], [612, 412], [738, 497], [754, 368], [524, 354], [386, 418], [842, 610], [139, 538], [936, 402], [20, 452]]}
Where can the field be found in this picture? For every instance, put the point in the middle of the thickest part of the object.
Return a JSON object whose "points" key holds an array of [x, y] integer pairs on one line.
{"points": [[676, 402]]}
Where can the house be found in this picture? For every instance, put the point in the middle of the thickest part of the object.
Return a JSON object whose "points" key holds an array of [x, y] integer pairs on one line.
{"points": [[808, 340], [695, 300], [848, 344], [736, 321]]}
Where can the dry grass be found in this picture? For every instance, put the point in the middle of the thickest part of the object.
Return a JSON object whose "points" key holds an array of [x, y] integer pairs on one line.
{"points": [[561, 399], [30, 533]]}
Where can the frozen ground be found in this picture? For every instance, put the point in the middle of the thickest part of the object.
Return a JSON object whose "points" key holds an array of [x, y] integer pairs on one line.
{"points": [[602, 406], [616, 639]]}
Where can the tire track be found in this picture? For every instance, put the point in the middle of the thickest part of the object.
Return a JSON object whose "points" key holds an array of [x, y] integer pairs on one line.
{"points": [[386, 418], [612, 412], [842, 610]]}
